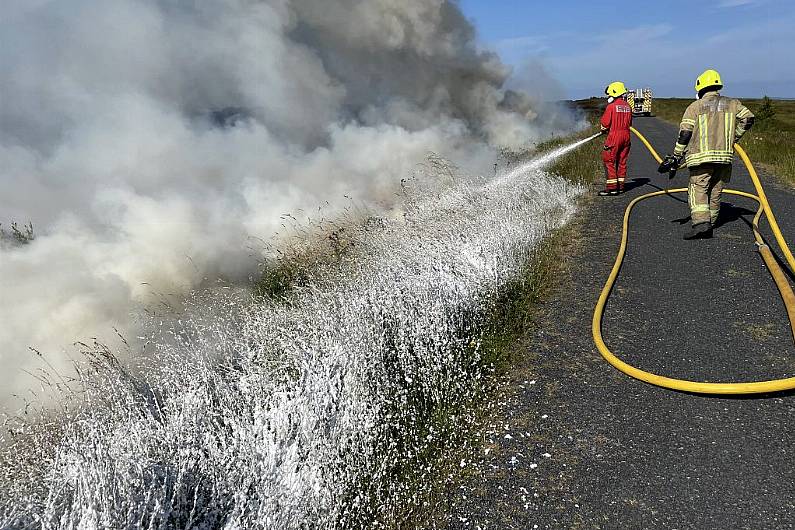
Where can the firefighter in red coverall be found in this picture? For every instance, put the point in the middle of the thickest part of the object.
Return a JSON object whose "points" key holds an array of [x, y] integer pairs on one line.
{"points": [[616, 122]]}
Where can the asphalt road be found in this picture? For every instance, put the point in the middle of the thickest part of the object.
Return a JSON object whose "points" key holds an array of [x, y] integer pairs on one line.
{"points": [[577, 444]]}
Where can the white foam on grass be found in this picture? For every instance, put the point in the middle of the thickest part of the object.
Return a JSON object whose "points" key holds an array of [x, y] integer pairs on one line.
{"points": [[312, 414]]}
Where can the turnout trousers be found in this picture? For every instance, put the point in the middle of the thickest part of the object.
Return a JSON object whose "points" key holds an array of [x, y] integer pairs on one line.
{"points": [[706, 187], [615, 155]]}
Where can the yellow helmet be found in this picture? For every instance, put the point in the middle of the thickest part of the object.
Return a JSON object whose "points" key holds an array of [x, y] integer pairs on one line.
{"points": [[710, 78], [616, 89]]}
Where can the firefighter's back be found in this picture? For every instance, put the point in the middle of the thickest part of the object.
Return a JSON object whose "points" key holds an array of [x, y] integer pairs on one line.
{"points": [[714, 122], [621, 118]]}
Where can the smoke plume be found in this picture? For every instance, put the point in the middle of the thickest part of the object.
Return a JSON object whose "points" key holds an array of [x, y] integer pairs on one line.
{"points": [[151, 141]]}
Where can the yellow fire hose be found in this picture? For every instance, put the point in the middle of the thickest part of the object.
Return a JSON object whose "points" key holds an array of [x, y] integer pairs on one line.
{"points": [[758, 387]]}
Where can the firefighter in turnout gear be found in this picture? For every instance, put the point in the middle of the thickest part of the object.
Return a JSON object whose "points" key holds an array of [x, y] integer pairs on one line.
{"points": [[616, 121], [710, 127]]}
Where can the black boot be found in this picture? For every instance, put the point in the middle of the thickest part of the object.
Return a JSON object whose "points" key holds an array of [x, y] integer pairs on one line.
{"points": [[699, 231], [608, 193]]}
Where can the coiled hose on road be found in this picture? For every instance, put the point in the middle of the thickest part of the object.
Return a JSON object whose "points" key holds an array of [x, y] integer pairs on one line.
{"points": [[757, 387]]}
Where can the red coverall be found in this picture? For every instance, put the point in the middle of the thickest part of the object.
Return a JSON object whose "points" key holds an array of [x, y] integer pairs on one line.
{"points": [[617, 119]]}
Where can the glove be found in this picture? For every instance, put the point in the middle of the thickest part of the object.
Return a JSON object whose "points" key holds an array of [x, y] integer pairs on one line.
{"points": [[670, 164], [603, 131]]}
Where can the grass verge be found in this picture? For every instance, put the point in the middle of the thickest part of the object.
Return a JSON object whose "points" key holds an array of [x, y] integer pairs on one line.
{"points": [[516, 312], [516, 315], [452, 426]]}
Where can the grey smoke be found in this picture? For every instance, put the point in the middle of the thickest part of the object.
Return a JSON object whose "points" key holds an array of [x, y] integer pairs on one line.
{"points": [[150, 140]]}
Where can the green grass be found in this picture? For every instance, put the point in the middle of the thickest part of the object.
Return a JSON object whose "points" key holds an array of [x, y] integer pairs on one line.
{"points": [[516, 312], [292, 267], [771, 142]]}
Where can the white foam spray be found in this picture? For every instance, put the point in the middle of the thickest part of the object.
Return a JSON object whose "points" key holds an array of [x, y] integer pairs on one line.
{"points": [[544, 160]]}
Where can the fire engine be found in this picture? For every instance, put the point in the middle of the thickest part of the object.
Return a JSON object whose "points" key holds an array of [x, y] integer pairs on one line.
{"points": [[640, 101]]}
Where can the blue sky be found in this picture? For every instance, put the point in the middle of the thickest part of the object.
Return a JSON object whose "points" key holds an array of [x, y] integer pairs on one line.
{"points": [[574, 48]]}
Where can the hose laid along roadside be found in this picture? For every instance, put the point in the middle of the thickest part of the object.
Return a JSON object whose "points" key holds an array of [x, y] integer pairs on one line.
{"points": [[757, 387]]}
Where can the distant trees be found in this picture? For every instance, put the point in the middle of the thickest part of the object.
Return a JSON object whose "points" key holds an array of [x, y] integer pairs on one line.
{"points": [[765, 113]]}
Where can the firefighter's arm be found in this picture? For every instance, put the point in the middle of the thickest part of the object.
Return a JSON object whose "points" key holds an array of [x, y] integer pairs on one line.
{"points": [[685, 133], [672, 162], [607, 118], [745, 120]]}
